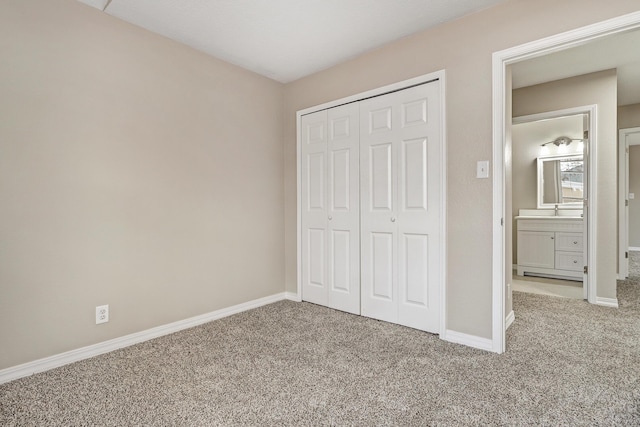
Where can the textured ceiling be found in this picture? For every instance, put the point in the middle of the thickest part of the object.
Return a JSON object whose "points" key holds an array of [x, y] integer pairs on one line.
{"points": [[287, 39]]}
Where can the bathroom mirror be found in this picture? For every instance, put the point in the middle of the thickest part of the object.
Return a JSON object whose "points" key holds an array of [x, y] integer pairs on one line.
{"points": [[560, 181]]}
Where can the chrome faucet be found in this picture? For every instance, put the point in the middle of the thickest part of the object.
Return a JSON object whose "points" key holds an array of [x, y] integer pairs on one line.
{"points": [[556, 213]]}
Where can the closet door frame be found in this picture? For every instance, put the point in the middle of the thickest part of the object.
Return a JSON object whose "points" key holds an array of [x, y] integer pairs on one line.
{"points": [[435, 76]]}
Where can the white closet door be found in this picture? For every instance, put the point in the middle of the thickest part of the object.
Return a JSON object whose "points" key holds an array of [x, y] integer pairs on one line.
{"points": [[344, 208], [314, 208], [378, 189], [330, 208], [400, 207]]}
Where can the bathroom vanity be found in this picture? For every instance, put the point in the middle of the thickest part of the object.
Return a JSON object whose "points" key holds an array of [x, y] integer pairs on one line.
{"points": [[550, 245], [550, 240]]}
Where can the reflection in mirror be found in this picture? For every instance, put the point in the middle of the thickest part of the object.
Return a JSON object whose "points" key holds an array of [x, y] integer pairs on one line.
{"points": [[560, 181]]}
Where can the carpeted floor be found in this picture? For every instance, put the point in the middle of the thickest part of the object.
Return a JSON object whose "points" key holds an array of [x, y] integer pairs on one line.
{"points": [[568, 363], [634, 265]]}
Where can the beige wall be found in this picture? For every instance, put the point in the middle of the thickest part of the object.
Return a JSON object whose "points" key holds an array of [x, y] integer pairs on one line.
{"points": [[464, 48], [600, 89], [134, 172], [629, 116], [527, 139], [140, 173]]}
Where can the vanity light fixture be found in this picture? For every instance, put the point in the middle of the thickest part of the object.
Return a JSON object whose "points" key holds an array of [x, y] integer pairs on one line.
{"points": [[562, 140]]}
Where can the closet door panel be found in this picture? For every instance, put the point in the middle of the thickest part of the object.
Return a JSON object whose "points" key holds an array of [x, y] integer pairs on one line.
{"points": [[414, 175], [339, 170], [378, 276], [316, 258], [314, 186], [316, 179], [344, 208], [414, 271], [340, 247], [382, 247], [379, 117], [419, 208], [381, 177], [378, 188], [400, 196]]}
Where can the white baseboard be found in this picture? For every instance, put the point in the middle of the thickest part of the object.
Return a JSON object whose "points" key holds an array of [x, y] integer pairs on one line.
{"points": [[510, 318], [55, 361], [292, 296], [607, 302], [468, 340]]}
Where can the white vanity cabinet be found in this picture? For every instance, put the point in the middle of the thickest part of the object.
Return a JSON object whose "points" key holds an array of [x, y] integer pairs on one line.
{"points": [[550, 247]]}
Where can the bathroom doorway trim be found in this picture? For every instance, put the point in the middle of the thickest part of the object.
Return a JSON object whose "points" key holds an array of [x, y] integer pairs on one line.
{"points": [[500, 61]]}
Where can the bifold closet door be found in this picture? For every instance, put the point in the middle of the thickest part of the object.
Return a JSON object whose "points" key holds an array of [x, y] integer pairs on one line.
{"points": [[400, 198], [330, 208]]}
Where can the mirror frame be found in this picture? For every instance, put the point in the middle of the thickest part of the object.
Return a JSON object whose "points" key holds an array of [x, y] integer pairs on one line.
{"points": [[540, 200]]}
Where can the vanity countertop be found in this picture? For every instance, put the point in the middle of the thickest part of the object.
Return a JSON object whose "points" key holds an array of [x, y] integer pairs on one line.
{"points": [[550, 214], [550, 217]]}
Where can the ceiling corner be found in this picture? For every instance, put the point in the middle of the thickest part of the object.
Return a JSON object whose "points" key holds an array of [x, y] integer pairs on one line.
{"points": [[98, 4]]}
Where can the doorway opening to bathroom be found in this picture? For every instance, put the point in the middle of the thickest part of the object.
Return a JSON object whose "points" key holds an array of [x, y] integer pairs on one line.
{"points": [[549, 207], [601, 291]]}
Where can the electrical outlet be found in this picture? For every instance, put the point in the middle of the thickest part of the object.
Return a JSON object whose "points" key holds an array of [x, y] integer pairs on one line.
{"points": [[102, 314]]}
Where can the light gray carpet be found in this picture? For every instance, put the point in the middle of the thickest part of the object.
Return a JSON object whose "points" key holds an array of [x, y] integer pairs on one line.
{"points": [[568, 363], [634, 265]]}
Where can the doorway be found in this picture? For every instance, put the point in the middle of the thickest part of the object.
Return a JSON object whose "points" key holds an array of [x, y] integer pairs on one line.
{"points": [[550, 164], [628, 206], [501, 140]]}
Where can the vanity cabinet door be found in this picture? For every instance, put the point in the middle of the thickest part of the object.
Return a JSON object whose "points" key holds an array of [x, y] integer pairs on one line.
{"points": [[536, 249]]}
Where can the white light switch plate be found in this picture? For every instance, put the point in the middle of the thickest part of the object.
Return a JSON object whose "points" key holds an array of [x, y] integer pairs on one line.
{"points": [[483, 169]]}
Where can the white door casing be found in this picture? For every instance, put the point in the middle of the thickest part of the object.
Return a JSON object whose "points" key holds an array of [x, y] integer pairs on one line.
{"points": [[623, 207], [330, 203], [400, 180], [627, 137], [586, 191]]}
